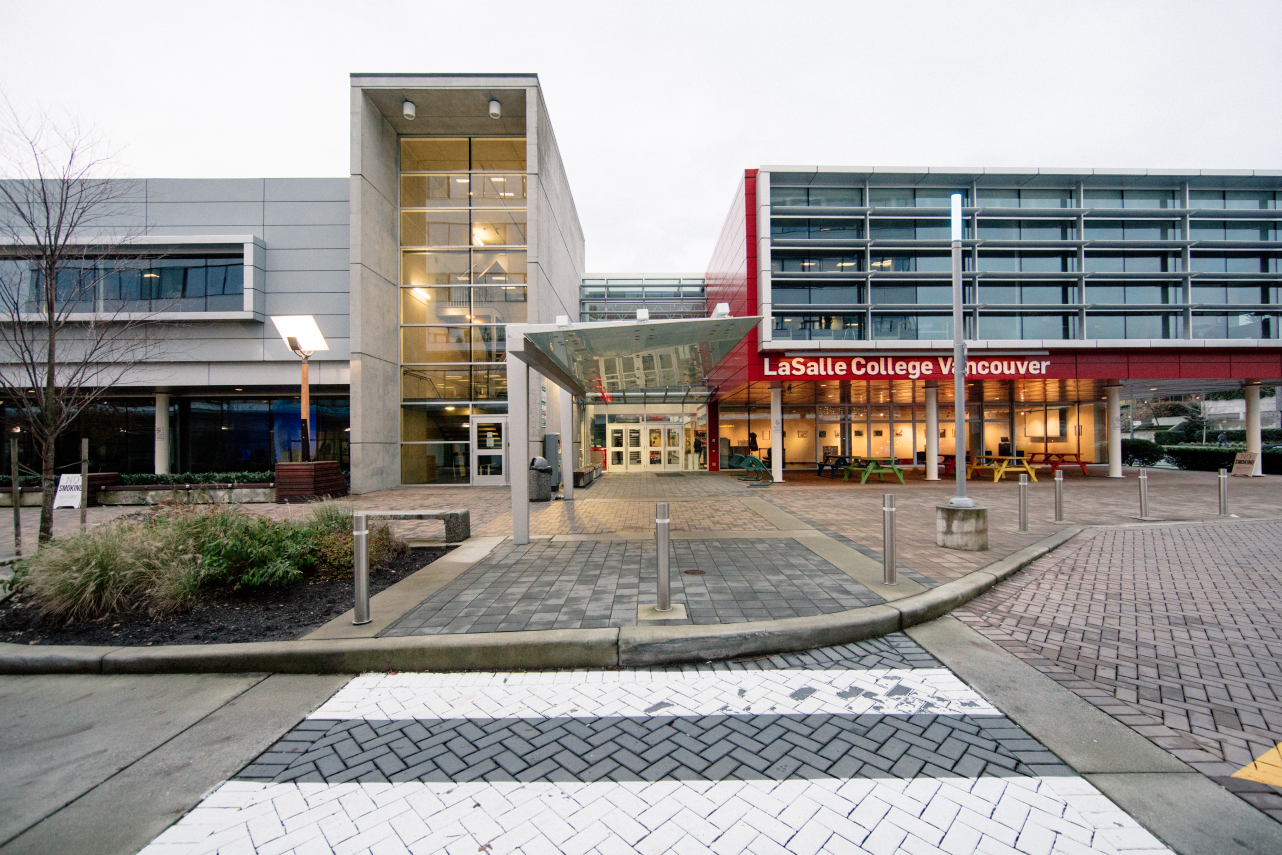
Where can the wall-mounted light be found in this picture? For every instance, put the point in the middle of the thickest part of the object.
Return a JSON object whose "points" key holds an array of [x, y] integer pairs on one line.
{"points": [[722, 310], [409, 111], [495, 109]]}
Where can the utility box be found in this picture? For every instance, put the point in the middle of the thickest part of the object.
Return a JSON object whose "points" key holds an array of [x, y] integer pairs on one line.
{"points": [[552, 453]]}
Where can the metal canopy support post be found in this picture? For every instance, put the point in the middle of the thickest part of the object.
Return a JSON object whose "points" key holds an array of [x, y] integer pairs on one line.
{"points": [[776, 431], [518, 431], [932, 430], [16, 492], [1113, 390], [162, 435], [961, 500], [305, 432], [567, 445], [1254, 443]]}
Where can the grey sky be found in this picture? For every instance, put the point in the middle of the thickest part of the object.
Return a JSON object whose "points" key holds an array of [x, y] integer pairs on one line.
{"points": [[659, 107]]}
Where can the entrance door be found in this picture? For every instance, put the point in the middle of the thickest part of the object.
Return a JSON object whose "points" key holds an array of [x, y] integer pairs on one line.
{"points": [[617, 452], [489, 451], [654, 449]]}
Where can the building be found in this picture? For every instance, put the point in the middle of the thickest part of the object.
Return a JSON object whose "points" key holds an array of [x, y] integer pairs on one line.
{"points": [[1081, 286], [456, 230]]}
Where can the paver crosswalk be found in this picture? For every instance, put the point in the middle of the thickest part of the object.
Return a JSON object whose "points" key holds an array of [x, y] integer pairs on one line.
{"points": [[869, 748]]}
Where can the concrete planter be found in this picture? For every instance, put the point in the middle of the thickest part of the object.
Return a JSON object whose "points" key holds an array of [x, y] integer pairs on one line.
{"points": [[28, 496], [193, 494]]}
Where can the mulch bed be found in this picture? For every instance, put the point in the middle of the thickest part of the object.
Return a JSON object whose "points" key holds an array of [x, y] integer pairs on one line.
{"points": [[266, 614]]}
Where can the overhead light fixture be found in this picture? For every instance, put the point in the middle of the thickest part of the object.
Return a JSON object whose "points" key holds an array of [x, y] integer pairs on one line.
{"points": [[562, 321], [449, 408], [409, 111], [643, 315], [496, 110], [151, 276], [303, 330]]}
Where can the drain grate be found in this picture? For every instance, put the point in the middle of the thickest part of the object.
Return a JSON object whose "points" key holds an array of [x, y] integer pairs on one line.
{"points": [[693, 572], [669, 474]]}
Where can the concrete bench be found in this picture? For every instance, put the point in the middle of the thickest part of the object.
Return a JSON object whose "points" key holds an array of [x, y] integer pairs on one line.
{"points": [[458, 523], [583, 477]]}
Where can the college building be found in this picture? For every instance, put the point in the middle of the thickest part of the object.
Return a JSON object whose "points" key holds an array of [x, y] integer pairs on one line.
{"points": [[446, 274]]}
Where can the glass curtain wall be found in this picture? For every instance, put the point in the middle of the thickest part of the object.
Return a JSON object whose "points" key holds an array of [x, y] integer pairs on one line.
{"points": [[463, 276]]}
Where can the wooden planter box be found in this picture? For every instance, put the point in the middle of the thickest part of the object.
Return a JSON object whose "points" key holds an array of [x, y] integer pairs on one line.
{"points": [[301, 482]]}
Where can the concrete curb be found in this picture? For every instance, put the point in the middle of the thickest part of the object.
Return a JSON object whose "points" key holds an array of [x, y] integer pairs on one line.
{"points": [[516, 651]]}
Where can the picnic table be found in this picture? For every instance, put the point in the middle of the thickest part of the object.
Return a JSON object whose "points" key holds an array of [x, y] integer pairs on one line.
{"points": [[878, 466], [833, 462], [1000, 465], [947, 465], [1056, 459]]}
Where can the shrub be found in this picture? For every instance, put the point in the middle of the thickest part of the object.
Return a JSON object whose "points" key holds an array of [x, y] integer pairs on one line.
{"points": [[1141, 452], [23, 481], [146, 479], [1209, 458]]}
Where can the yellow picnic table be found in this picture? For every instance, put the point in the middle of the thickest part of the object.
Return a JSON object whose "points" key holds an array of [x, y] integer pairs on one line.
{"points": [[874, 466], [1000, 465]]}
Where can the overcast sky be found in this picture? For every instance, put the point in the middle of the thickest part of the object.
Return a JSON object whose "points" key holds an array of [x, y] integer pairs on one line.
{"points": [[658, 107]]}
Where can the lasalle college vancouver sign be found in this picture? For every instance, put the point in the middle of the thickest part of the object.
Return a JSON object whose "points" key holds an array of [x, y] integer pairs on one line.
{"points": [[897, 367]]}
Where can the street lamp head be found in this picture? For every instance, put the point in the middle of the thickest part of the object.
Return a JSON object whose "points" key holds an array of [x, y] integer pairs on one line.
{"points": [[957, 216], [300, 333]]}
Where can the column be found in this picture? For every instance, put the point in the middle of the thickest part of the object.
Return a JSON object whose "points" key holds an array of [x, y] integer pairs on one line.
{"points": [[932, 430], [162, 434], [518, 432], [1253, 442], [1114, 391], [714, 437], [567, 445], [776, 430]]}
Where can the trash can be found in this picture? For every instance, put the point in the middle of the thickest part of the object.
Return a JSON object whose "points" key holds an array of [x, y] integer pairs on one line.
{"points": [[540, 480]]}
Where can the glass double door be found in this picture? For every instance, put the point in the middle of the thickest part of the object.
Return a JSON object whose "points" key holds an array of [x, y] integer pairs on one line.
{"points": [[489, 451], [645, 448]]}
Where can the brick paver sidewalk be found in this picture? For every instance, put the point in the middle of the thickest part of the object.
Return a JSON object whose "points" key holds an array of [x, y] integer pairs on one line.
{"points": [[1175, 630], [868, 748]]}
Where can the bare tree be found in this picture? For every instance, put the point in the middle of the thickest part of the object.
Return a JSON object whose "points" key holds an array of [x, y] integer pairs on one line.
{"points": [[67, 232]]}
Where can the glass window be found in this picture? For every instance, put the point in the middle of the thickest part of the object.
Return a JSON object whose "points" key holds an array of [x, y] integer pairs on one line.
{"points": [[1208, 294], [1115, 262], [435, 344], [497, 268], [435, 463], [1105, 230], [1206, 198], [434, 154], [1038, 198], [1247, 294], [998, 326], [892, 229], [489, 383], [1207, 229], [1208, 263], [1046, 230], [427, 424], [931, 294], [501, 154], [1043, 263], [1103, 198], [999, 294], [912, 327], [783, 229], [1245, 264], [1149, 198], [789, 295], [1056, 327], [1134, 326], [438, 191], [938, 197], [793, 263], [435, 228], [434, 268], [890, 197], [489, 343], [998, 262], [998, 229], [1106, 326], [894, 294], [434, 305], [1059, 294], [491, 191], [498, 228], [788, 196], [431, 383], [499, 304], [1247, 230], [1152, 230], [818, 327], [836, 229], [836, 197], [836, 294], [995, 197], [1248, 199]]}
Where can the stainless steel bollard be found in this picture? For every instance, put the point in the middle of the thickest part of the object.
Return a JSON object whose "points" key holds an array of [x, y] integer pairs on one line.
{"points": [[1224, 492], [1023, 501], [888, 559], [664, 603], [1143, 494], [16, 493], [360, 568], [1059, 496], [84, 485]]}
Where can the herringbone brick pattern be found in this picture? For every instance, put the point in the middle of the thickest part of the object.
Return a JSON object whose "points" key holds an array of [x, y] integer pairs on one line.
{"points": [[1174, 630], [592, 584], [870, 748]]}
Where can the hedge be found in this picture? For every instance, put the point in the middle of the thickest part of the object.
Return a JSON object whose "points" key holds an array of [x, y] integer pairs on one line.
{"points": [[1141, 452], [1173, 437], [1208, 458], [23, 481], [147, 479]]}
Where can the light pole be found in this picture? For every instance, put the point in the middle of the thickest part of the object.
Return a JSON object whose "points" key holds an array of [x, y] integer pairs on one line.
{"points": [[961, 500], [304, 338]]}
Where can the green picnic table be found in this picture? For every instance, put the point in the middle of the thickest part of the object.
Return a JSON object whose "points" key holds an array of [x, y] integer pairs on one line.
{"points": [[874, 466]]}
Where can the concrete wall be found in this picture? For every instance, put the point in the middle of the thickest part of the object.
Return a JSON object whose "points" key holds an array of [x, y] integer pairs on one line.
{"points": [[375, 295]]}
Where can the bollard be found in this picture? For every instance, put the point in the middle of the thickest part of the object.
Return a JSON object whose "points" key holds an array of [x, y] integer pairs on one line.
{"points": [[1143, 494], [888, 575], [661, 545], [360, 568], [1059, 496], [1023, 501], [1224, 492], [16, 493], [84, 484]]}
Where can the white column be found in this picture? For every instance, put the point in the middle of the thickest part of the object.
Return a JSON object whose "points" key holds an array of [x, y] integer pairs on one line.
{"points": [[162, 434], [1253, 442], [776, 430], [567, 445], [1114, 391], [932, 431], [518, 432]]}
